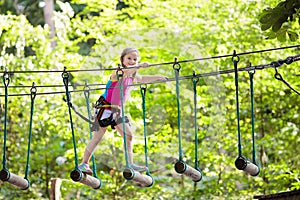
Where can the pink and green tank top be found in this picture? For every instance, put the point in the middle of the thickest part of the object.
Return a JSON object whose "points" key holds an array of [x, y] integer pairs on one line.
{"points": [[112, 92]]}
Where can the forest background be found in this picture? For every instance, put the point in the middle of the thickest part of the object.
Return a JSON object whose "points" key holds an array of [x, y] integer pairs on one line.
{"points": [[90, 34]]}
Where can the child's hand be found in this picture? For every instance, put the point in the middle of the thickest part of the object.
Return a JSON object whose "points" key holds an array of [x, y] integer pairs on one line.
{"points": [[144, 65]]}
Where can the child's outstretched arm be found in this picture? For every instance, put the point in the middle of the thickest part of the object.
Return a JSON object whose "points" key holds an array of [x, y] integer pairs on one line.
{"points": [[149, 79]]}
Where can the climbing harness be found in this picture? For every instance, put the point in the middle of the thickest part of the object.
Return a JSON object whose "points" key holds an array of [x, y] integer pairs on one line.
{"points": [[114, 117]]}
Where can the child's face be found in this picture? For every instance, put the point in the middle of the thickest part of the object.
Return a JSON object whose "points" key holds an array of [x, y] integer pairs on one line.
{"points": [[130, 59]]}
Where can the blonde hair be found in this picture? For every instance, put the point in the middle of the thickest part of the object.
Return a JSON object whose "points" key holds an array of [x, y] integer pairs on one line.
{"points": [[127, 51]]}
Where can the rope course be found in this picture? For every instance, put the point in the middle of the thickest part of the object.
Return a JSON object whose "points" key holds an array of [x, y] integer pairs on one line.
{"points": [[120, 74], [275, 64], [143, 90], [129, 173], [87, 101], [5, 174], [77, 175], [181, 167], [195, 81], [241, 162]]}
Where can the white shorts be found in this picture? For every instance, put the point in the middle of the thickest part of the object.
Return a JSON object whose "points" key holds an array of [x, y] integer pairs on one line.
{"points": [[106, 114]]}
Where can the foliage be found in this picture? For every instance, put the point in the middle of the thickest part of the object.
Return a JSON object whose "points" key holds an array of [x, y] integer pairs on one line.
{"points": [[283, 20], [90, 35]]}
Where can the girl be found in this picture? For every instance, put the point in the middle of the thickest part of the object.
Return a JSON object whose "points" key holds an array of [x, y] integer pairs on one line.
{"points": [[108, 115]]}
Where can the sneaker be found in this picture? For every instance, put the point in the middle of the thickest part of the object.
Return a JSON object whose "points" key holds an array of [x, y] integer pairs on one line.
{"points": [[139, 168], [85, 168]]}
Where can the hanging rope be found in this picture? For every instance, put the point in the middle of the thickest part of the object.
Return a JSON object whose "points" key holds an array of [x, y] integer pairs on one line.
{"points": [[120, 74], [65, 76], [6, 81], [235, 62], [33, 94], [251, 75], [5, 175], [129, 173], [81, 116], [279, 77], [241, 162], [143, 89], [77, 174], [176, 67], [87, 101], [180, 166], [195, 81]]}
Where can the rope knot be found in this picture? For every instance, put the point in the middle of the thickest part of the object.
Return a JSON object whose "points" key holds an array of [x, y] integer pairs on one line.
{"points": [[289, 60], [276, 63]]}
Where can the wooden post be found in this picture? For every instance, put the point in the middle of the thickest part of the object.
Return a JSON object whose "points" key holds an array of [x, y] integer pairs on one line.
{"points": [[55, 188]]}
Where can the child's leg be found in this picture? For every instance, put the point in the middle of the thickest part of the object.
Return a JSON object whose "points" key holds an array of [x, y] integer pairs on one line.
{"points": [[91, 146], [129, 137]]}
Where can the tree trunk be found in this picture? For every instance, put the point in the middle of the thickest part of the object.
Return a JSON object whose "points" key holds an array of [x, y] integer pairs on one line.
{"points": [[48, 16]]}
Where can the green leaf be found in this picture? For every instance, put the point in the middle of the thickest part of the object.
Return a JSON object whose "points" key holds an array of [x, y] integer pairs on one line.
{"points": [[265, 26], [293, 36], [266, 19], [277, 25], [281, 36], [271, 35]]}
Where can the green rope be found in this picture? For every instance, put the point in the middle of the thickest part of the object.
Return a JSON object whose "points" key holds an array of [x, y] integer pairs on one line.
{"points": [[65, 76], [251, 74], [235, 62], [87, 96], [143, 93], [123, 116], [33, 94], [195, 81], [6, 81], [177, 67]]}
